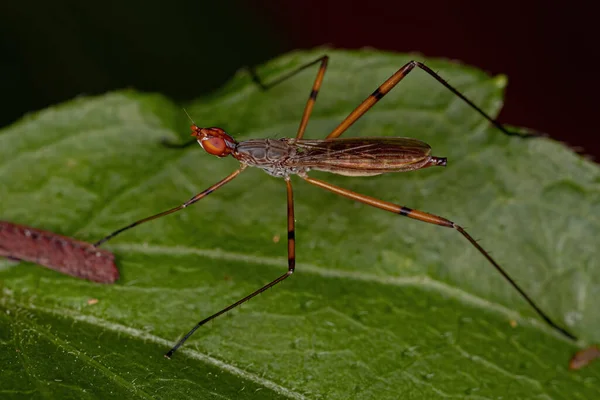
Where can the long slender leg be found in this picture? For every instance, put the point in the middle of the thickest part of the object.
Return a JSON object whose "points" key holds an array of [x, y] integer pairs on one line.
{"points": [[290, 271], [191, 201], [313, 94], [312, 98], [434, 219], [393, 81]]}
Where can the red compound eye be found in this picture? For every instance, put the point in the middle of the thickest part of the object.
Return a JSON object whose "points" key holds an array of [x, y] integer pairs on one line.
{"points": [[215, 146]]}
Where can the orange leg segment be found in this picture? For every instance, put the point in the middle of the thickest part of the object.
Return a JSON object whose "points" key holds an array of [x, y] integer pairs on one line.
{"points": [[434, 219]]}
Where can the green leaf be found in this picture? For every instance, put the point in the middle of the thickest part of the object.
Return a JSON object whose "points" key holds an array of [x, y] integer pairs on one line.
{"points": [[380, 306]]}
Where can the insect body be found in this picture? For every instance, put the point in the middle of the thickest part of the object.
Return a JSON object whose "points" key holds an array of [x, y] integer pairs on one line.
{"points": [[352, 157]]}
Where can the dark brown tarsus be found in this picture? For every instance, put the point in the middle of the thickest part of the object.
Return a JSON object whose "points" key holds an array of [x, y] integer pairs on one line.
{"points": [[290, 271], [359, 157]]}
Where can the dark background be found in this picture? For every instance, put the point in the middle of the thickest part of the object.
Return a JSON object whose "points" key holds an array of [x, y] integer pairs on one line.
{"points": [[53, 51]]}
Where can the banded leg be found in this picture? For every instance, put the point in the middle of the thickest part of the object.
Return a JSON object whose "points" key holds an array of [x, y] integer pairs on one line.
{"points": [[434, 219], [393, 81], [290, 271], [191, 201], [312, 98]]}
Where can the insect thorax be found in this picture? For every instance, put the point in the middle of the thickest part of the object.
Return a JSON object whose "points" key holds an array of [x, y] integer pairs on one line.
{"points": [[270, 155]]}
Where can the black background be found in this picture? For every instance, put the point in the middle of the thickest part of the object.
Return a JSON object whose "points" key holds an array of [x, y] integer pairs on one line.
{"points": [[53, 51]]}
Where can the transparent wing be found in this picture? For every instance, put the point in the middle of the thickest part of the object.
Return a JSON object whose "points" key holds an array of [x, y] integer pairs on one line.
{"points": [[360, 156]]}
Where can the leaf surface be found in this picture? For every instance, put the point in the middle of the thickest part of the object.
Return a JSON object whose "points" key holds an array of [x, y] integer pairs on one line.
{"points": [[379, 307]]}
